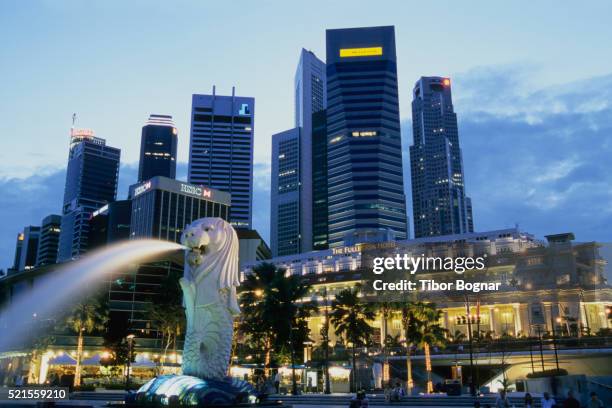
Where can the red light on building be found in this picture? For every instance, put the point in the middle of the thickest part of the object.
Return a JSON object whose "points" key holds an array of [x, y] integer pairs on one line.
{"points": [[446, 82]]}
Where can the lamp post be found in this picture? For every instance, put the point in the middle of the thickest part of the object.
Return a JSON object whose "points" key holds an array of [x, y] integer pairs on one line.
{"points": [[467, 307], [325, 335], [130, 341], [554, 338]]}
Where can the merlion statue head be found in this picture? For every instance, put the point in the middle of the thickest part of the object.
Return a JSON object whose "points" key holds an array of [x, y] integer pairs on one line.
{"points": [[212, 251]]}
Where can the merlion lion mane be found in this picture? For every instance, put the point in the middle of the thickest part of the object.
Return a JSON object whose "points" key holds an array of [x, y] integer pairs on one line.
{"points": [[209, 293]]}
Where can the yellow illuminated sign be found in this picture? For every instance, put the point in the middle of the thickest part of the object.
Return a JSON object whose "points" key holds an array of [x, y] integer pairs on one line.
{"points": [[360, 52]]}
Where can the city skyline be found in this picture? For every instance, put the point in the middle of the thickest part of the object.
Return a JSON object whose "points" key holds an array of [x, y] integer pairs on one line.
{"points": [[566, 166]]}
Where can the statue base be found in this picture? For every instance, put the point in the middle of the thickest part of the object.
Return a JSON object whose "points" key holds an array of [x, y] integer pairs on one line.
{"points": [[185, 390]]}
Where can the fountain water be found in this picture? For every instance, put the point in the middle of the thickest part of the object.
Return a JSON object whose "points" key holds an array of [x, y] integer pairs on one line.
{"points": [[67, 284], [209, 296]]}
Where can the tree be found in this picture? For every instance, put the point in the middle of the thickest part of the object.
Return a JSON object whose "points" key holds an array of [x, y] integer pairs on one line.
{"points": [[167, 313], [116, 344], [429, 333], [350, 316], [86, 317], [385, 309], [272, 315], [409, 325]]}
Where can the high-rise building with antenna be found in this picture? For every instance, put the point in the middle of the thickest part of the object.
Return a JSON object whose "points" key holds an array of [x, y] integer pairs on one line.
{"points": [[221, 149]]}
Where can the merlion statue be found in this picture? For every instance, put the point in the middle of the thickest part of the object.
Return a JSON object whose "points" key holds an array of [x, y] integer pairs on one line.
{"points": [[209, 293]]}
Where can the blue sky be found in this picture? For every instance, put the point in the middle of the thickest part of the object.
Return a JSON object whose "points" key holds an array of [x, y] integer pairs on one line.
{"points": [[532, 84]]}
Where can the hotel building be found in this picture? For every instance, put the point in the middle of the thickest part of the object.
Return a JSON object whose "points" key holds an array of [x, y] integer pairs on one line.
{"points": [[542, 284]]}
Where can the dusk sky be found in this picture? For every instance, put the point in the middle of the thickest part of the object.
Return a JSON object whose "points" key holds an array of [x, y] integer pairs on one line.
{"points": [[532, 87]]}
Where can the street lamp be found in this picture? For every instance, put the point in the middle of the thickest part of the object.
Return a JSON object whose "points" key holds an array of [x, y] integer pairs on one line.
{"points": [[130, 341]]}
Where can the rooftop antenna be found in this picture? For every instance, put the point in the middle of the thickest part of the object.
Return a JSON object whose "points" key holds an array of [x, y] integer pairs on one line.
{"points": [[73, 122]]}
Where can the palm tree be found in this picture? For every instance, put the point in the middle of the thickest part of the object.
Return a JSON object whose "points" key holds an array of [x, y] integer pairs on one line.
{"points": [[385, 309], [86, 317], [409, 324], [272, 312], [429, 333], [350, 316]]}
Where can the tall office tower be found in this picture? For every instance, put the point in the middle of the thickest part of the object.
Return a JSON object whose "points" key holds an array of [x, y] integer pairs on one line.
{"points": [[440, 206], [292, 192], [91, 182], [221, 150], [319, 180], [310, 84], [158, 148], [29, 247], [364, 156], [18, 249], [110, 223], [49, 240], [285, 204]]}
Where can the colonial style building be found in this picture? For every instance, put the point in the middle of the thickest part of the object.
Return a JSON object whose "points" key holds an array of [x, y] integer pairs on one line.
{"points": [[540, 284]]}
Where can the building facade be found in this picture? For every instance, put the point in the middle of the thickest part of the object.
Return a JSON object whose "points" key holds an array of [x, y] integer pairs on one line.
{"points": [[285, 205], [319, 181], [558, 284], [158, 146], [110, 223], [366, 198], [221, 150], [91, 182], [293, 163], [310, 84], [160, 209], [49, 240], [439, 203], [27, 244]]}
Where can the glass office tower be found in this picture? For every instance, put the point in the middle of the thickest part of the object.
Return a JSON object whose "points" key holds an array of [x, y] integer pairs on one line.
{"points": [[49, 240], [221, 150], [293, 185], [365, 180], [158, 144], [91, 182], [440, 206]]}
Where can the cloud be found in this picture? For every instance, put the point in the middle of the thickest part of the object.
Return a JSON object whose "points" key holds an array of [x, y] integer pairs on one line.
{"points": [[537, 157]]}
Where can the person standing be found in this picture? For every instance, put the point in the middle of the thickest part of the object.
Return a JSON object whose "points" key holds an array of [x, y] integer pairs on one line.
{"points": [[571, 402], [547, 401], [528, 401], [502, 400], [277, 380], [595, 402]]}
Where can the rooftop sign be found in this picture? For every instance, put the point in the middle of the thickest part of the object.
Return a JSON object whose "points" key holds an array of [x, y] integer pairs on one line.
{"points": [[360, 52]]}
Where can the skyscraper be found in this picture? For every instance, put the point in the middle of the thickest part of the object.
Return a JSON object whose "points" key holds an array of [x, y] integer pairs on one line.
{"points": [[310, 84], [158, 148], [364, 156], [319, 181], [110, 223], [29, 247], [221, 150], [91, 182], [292, 193], [440, 206], [49, 240], [285, 222]]}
